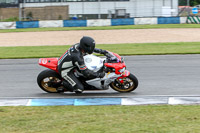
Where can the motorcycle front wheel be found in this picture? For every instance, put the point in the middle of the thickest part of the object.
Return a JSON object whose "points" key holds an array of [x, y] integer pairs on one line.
{"points": [[129, 84], [48, 80]]}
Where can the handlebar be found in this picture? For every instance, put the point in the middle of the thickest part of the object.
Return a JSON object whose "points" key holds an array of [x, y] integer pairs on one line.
{"points": [[114, 60]]}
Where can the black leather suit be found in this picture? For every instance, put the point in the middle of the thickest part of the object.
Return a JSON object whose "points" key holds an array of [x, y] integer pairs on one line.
{"points": [[73, 58]]}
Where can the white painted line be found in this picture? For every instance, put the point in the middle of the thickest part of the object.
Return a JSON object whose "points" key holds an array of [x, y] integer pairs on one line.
{"points": [[183, 100], [29, 102], [172, 101], [13, 102], [144, 101]]}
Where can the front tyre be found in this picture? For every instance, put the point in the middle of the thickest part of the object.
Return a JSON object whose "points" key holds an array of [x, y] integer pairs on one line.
{"points": [[48, 80], [129, 84]]}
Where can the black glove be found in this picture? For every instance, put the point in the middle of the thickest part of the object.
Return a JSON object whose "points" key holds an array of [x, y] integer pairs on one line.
{"points": [[101, 75]]}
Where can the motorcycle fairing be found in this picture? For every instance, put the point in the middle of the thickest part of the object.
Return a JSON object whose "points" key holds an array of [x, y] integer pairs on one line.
{"points": [[117, 66], [50, 63], [103, 83], [93, 62]]}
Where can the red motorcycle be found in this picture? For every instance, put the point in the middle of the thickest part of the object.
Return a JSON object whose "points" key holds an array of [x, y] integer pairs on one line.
{"points": [[116, 77]]}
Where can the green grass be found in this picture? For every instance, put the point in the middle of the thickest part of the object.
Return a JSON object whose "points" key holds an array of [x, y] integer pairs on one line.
{"points": [[122, 49], [101, 119], [158, 26], [12, 19]]}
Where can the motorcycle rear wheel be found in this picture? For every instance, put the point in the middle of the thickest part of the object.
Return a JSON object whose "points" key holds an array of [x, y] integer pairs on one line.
{"points": [[130, 84], [47, 80]]}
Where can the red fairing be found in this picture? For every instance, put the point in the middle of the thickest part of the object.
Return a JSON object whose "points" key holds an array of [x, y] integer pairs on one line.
{"points": [[117, 66], [51, 63]]}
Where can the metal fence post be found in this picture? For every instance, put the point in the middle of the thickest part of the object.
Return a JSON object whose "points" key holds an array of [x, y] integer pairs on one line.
{"points": [[20, 12], [99, 6]]}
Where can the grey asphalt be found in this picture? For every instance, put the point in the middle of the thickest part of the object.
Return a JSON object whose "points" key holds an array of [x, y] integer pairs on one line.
{"points": [[158, 75]]}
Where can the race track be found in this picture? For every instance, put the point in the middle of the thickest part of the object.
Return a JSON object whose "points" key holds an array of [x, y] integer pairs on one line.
{"points": [[158, 75]]}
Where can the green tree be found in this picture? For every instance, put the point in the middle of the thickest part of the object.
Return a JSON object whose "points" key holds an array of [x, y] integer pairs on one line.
{"points": [[194, 2], [29, 16], [182, 2]]}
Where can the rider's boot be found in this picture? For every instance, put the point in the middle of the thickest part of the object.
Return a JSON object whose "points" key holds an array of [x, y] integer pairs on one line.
{"points": [[60, 89], [78, 91]]}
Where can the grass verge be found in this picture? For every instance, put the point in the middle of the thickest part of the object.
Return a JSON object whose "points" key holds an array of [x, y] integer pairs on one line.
{"points": [[158, 26], [100, 119], [122, 49]]}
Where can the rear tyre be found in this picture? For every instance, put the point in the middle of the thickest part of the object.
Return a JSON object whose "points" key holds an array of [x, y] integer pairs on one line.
{"points": [[129, 84], [49, 80]]}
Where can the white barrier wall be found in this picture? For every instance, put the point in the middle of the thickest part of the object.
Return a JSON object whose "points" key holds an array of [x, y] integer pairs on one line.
{"points": [[94, 22], [51, 23], [145, 21], [183, 20], [7, 25], [99, 22]]}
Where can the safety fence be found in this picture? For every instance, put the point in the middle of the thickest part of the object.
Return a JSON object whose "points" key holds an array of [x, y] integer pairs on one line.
{"points": [[92, 22]]}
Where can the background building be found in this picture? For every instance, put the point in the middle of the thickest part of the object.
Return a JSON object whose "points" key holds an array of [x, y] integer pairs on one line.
{"points": [[95, 9]]}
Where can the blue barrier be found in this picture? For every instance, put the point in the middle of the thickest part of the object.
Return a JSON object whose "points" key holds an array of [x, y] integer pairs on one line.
{"points": [[127, 21], [27, 24], [168, 20], [74, 23], [83, 23]]}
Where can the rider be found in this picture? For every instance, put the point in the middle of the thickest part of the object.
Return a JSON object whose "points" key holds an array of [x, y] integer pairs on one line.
{"points": [[73, 58]]}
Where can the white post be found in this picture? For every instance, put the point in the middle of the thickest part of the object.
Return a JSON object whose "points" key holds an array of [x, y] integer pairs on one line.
{"points": [[188, 2], [82, 10], [99, 14], [23, 8], [20, 12]]}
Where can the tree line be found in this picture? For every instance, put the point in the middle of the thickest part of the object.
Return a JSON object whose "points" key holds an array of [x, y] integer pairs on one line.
{"points": [[191, 2]]}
